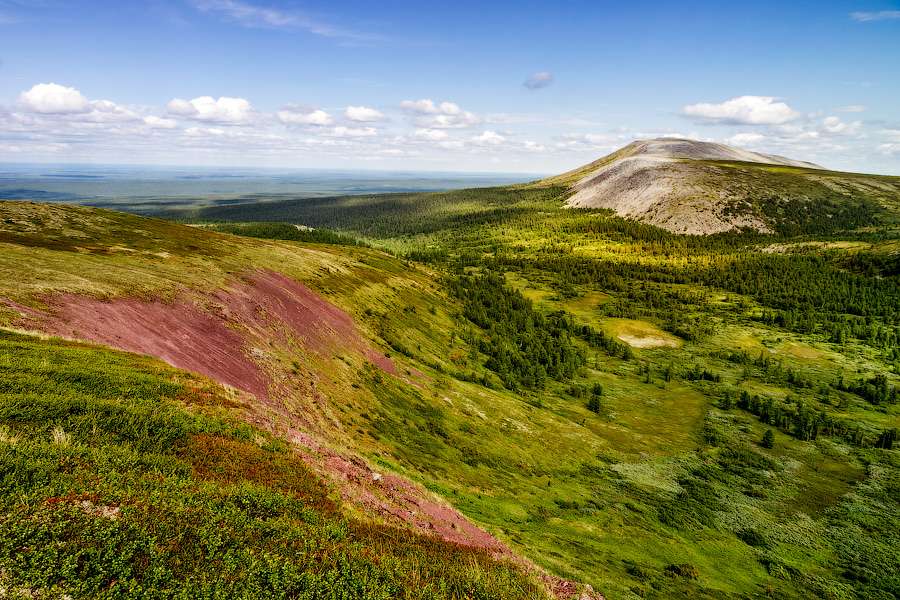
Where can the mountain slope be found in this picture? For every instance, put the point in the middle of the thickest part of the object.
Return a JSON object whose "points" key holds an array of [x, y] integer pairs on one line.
{"points": [[693, 187], [295, 336]]}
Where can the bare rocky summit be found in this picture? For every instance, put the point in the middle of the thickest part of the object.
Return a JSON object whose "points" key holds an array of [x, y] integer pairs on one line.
{"points": [[693, 187]]}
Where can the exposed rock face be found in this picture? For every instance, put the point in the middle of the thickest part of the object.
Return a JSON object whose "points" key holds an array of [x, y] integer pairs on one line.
{"points": [[675, 184]]}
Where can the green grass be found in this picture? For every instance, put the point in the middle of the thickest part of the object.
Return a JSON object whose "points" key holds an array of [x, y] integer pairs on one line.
{"points": [[119, 482]]}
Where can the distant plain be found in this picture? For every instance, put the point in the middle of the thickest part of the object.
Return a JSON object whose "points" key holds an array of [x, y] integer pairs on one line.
{"points": [[143, 189]]}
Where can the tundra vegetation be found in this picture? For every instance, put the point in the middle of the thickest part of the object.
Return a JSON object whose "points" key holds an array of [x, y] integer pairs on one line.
{"points": [[651, 413]]}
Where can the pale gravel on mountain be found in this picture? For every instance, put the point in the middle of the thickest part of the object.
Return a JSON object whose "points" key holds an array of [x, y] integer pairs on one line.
{"points": [[660, 191], [663, 184]]}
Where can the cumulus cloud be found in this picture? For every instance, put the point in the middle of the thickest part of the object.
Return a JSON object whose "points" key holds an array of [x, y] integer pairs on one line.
{"points": [[875, 16], [815, 138], [60, 103], [206, 109], [446, 115], [835, 125], [538, 81], [746, 110], [304, 115], [361, 114], [52, 99], [489, 138]]}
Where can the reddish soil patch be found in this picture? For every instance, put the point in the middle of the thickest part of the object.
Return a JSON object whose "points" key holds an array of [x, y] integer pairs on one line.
{"points": [[213, 334], [176, 332]]}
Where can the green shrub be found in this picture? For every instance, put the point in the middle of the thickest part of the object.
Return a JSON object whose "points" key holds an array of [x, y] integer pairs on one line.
{"points": [[640, 572], [685, 570]]}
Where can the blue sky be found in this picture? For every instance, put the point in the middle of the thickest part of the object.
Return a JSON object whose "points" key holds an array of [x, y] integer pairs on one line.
{"points": [[522, 86]]}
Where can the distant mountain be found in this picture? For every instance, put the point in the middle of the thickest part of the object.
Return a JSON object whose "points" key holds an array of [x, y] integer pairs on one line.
{"points": [[686, 186]]}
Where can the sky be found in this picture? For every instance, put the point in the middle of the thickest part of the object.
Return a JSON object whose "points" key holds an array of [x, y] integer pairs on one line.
{"points": [[526, 87]]}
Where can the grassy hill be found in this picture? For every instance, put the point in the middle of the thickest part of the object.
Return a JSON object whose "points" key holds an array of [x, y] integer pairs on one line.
{"points": [[649, 413]]}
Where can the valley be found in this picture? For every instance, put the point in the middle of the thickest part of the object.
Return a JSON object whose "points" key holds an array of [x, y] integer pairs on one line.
{"points": [[507, 392]]}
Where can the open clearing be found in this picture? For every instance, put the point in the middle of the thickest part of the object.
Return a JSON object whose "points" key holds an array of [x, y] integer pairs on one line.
{"points": [[641, 334]]}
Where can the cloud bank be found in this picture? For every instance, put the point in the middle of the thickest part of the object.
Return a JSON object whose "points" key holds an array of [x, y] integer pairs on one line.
{"points": [[53, 122]]}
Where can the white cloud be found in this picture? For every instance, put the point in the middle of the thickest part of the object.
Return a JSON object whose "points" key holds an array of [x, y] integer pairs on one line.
{"points": [[746, 110], [532, 146], [446, 115], [53, 99], [224, 111], [891, 144], [361, 114], [488, 138], [538, 81], [854, 108], [60, 103], [351, 132], [745, 139], [159, 123], [835, 125], [590, 141], [104, 111], [875, 16], [422, 107], [432, 135], [452, 144], [304, 115]]}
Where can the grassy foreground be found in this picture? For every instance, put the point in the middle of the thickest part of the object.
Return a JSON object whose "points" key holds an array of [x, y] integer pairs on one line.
{"points": [[121, 477]]}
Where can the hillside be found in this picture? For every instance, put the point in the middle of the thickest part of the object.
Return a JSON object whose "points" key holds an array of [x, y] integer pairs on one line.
{"points": [[655, 415], [693, 187]]}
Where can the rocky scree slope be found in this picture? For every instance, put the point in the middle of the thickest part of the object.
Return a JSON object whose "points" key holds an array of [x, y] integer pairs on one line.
{"points": [[693, 187]]}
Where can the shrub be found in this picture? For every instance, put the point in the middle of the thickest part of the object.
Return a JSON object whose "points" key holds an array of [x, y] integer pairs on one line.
{"points": [[686, 570], [640, 572], [752, 537]]}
